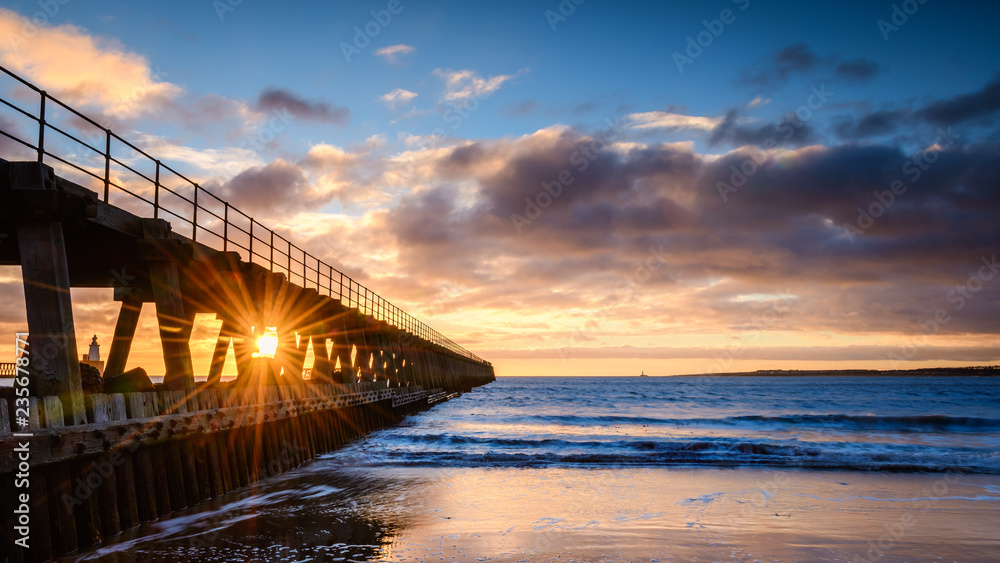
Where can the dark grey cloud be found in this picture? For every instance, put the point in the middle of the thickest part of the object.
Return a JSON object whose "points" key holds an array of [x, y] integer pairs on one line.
{"points": [[857, 69], [278, 186], [277, 99], [784, 226], [801, 59], [521, 109], [981, 105], [984, 103], [883, 122], [793, 59], [787, 131]]}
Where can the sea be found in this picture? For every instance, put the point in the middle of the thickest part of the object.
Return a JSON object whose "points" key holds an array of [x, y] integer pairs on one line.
{"points": [[701, 468]]}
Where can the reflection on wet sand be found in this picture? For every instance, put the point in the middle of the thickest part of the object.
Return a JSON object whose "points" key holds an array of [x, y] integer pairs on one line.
{"points": [[328, 511], [308, 514]]}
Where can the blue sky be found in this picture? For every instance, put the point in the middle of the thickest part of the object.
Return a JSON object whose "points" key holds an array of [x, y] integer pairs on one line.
{"points": [[414, 165], [604, 60]]}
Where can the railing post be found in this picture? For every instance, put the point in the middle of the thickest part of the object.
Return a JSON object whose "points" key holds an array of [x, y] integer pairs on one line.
{"points": [[251, 241], [271, 267], [225, 227], [156, 192], [107, 164], [41, 127], [194, 219]]}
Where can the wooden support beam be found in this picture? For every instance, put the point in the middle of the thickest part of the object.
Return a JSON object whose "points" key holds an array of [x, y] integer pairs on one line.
{"points": [[321, 369], [342, 346], [175, 324], [128, 320], [55, 366], [226, 335]]}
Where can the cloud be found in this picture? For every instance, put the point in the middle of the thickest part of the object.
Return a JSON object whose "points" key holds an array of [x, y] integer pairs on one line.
{"points": [[784, 224], [212, 163], [392, 52], [522, 109], [398, 97], [279, 186], [873, 124], [460, 85], [81, 69], [848, 353], [9, 148], [798, 58], [758, 101], [668, 120], [788, 131], [277, 99], [432, 230], [981, 104], [858, 69], [801, 59]]}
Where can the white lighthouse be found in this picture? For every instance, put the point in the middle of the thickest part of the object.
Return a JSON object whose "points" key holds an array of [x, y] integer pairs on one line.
{"points": [[93, 358]]}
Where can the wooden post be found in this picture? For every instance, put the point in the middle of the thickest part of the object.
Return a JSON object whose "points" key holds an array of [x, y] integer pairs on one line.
{"points": [[55, 365], [143, 405], [64, 539], [175, 325], [321, 369], [41, 541], [342, 345], [109, 408], [227, 333], [128, 320]]}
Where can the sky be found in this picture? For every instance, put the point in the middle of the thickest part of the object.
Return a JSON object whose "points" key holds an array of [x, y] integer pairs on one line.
{"points": [[575, 187]]}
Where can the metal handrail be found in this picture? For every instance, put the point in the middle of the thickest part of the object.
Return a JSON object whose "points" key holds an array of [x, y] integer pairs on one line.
{"points": [[327, 281]]}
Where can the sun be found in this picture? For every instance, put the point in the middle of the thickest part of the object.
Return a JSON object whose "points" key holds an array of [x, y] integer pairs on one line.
{"points": [[267, 344]]}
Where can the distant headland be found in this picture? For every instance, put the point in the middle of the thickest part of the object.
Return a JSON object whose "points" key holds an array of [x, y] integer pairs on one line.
{"points": [[982, 371]]}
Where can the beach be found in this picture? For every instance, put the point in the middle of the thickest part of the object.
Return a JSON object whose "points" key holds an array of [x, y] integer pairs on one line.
{"points": [[494, 476]]}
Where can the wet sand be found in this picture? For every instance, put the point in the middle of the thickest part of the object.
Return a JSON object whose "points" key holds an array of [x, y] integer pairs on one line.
{"points": [[328, 512]]}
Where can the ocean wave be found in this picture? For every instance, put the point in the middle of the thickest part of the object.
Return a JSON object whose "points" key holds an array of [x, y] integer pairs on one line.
{"points": [[921, 423], [748, 455], [468, 451]]}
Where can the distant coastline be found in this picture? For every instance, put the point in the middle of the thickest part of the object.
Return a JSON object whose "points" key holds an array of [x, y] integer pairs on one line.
{"points": [[982, 371]]}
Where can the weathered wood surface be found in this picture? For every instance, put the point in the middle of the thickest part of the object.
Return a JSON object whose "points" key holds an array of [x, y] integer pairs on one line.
{"points": [[49, 445]]}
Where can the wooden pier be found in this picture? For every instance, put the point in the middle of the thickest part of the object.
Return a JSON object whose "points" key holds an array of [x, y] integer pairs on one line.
{"points": [[77, 467]]}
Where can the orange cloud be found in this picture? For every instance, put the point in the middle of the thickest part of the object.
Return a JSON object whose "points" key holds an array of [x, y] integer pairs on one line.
{"points": [[79, 68]]}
